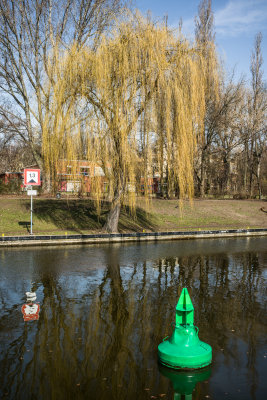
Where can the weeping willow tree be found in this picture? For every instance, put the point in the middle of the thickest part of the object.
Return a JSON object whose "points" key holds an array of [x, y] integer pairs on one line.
{"points": [[134, 104]]}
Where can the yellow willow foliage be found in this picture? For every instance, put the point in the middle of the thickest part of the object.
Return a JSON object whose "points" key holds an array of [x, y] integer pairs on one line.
{"points": [[131, 106]]}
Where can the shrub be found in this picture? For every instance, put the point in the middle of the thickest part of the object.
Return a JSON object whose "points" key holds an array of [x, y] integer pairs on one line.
{"points": [[12, 187]]}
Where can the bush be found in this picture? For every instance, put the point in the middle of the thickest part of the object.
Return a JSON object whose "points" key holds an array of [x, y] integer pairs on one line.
{"points": [[12, 187], [241, 196]]}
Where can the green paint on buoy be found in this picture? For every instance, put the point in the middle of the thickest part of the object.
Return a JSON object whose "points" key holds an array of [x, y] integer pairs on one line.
{"points": [[183, 349]]}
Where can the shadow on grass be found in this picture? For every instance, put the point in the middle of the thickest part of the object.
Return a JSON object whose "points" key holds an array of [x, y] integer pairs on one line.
{"points": [[79, 215], [141, 220], [25, 225]]}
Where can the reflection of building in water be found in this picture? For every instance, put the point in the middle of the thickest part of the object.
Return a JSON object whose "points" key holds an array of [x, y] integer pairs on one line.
{"points": [[184, 382]]}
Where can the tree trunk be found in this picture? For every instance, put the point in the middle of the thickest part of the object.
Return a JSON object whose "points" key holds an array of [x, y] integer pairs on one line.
{"points": [[251, 182], [202, 178], [258, 180], [245, 169], [112, 222], [111, 225], [46, 183], [226, 171]]}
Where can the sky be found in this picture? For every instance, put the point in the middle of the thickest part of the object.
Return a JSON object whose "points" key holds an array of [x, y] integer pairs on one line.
{"points": [[236, 24]]}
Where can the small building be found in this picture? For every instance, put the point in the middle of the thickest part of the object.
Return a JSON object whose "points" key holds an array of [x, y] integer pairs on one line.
{"points": [[8, 177], [78, 175]]}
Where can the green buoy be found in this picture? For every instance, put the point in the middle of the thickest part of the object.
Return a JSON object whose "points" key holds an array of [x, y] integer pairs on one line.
{"points": [[184, 349]]}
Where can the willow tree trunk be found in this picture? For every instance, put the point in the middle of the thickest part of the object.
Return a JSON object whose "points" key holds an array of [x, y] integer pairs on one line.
{"points": [[46, 182], [112, 222]]}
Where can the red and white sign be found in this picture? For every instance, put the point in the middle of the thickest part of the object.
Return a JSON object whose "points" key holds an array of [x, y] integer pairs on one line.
{"points": [[30, 311], [32, 177]]}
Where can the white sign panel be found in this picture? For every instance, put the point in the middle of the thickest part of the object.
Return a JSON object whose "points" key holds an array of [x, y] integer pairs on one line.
{"points": [[32, 192], [32, 177]]}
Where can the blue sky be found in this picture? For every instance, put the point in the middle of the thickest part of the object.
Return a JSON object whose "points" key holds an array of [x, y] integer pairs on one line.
{"points": [[236, 24]]}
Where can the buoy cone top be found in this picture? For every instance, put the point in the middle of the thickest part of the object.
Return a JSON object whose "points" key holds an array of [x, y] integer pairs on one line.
{"points": [[184, 309], [184, 302]]}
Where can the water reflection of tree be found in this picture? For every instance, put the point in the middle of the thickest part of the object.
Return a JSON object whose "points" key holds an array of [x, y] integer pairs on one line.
{"points": [[226, 299], [104, 342]]}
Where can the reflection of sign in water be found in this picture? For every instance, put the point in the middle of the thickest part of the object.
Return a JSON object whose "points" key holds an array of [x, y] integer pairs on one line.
{"points": [[30, 311], [31, 176], [31, 296]]}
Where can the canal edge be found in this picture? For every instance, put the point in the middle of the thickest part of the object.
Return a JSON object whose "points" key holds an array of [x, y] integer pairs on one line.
{"points": [[55, 240]]}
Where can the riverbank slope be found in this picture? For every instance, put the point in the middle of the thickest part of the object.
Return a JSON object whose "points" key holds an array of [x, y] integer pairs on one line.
{"points": [[57, 216]]}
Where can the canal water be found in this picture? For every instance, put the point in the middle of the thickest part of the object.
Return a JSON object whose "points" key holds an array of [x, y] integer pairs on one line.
{"points": [[101, 312]]}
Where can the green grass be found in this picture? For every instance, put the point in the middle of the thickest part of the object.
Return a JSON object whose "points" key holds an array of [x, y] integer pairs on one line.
{"points": [[188, 222], [61, 216], [53, 216]]}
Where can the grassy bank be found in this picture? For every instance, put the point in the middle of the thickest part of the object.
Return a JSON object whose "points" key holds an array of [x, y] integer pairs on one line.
{"points": [[53, 216]]}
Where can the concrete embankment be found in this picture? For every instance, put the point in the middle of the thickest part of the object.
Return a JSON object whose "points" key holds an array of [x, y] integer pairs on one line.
{"points": [[55, 240]]}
